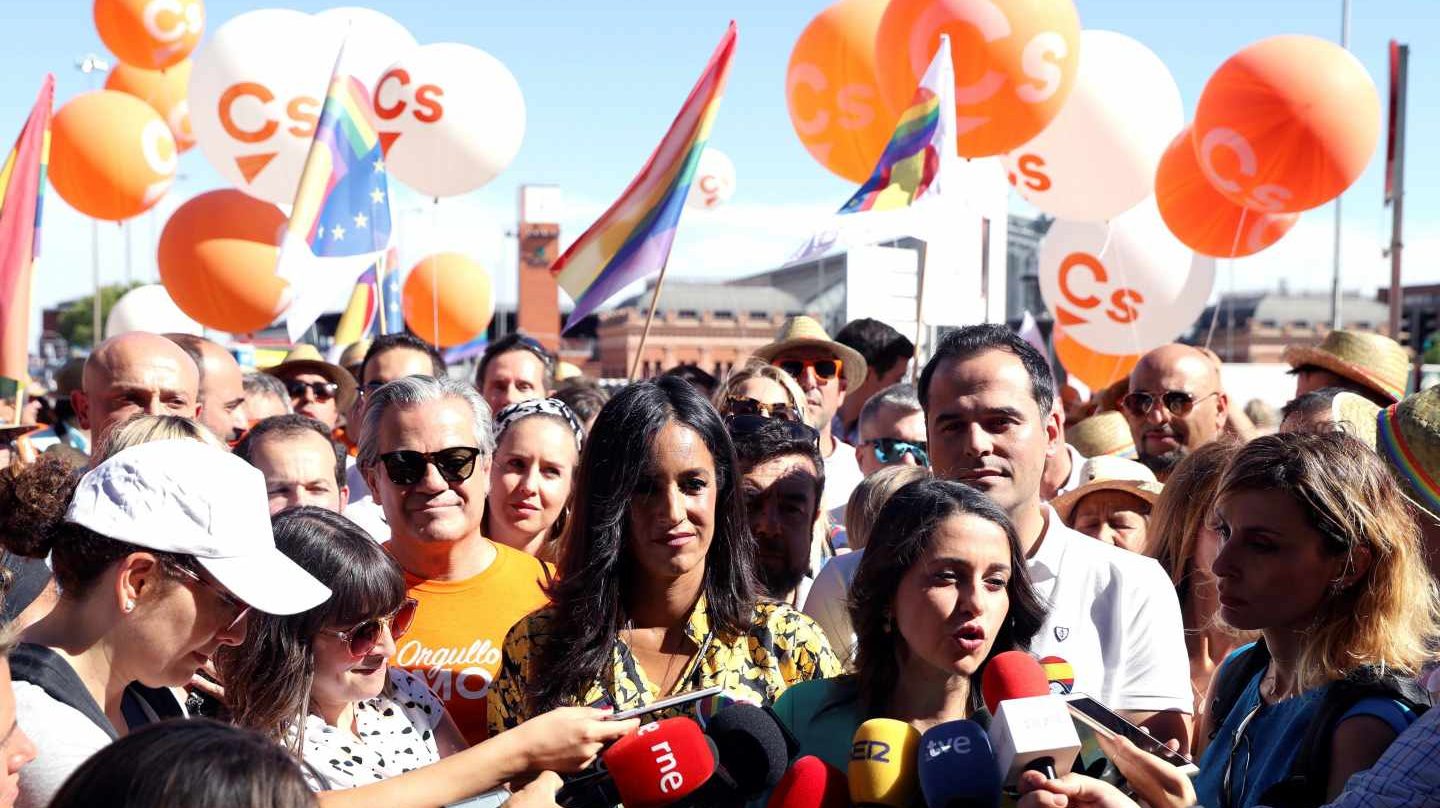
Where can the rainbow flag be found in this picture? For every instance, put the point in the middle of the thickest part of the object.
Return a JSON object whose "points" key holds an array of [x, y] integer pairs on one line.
{"points": [[340, 224], [374, 307], [632, 240], [22, 192]]}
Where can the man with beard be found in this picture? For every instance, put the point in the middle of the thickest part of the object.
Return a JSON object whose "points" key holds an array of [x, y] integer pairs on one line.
{"points": [[1174, 406], [781, 477]]}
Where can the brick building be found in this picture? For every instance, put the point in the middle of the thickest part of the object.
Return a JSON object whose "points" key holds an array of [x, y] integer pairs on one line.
{"points": [[1256, 327]]}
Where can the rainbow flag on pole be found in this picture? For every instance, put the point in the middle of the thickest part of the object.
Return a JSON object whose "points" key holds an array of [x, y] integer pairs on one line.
{"points": [[374, 307], [340, 224], [632, 240], [22, 191]]}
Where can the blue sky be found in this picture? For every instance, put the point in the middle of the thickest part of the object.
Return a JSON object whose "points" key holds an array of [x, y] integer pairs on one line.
{"points": [[602, 81]]}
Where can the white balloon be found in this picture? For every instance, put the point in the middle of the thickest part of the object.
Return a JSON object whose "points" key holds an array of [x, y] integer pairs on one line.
{"points": [[714, 181], [1097, 158], [256, 90], [451, 116], [149, 308], [1125, 286], [373, 41]]}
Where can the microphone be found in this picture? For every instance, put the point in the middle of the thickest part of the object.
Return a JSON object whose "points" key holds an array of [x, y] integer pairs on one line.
{"points": [[882, 763], [752, 754], [957, 767], [656, 765], [1032, 729], [811, 783]]}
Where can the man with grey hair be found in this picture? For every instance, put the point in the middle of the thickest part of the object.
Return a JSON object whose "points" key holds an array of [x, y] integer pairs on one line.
{"points": [[265, 396], [892, 430], [425, 451]]}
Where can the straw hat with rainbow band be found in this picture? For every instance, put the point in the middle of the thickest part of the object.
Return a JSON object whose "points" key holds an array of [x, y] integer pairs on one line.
{"points": [[1408, 438], [1371, 360]]}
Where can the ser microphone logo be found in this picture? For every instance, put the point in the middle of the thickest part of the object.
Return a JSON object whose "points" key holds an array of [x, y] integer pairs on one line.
{"points": [[878, 751]]}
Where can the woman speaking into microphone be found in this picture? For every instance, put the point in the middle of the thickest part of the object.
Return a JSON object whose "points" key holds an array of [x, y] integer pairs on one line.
{"points": [[655, 594], [941, 590]]}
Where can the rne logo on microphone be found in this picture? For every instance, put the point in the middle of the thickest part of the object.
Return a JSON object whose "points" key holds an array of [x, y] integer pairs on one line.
{"points": [[878, 751], [670, 779]]}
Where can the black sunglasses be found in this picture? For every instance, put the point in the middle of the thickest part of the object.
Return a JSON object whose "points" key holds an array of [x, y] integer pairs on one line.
{"points": [[407, 467], [1178, 402], [323, 391], [742, 425], [743, 405], [825, 369], [363, 638]]}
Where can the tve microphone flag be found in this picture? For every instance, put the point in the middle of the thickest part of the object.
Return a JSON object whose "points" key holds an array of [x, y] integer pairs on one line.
{"points": [[1032, 729], [957, 767], [882, 763]]}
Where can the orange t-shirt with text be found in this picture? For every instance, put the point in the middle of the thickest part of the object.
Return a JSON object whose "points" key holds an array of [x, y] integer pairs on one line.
{"points": [[459, 629]]}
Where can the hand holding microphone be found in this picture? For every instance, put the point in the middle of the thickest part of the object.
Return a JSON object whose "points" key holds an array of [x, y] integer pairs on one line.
{"points": [[658, 764], [1031, 729], [882, 764], [567, 739]]}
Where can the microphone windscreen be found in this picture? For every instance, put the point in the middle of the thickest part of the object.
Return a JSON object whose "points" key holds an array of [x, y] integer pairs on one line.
{"points": [[957, 767], [882, 763], [1012, 675], [751, 747], [660, 763], [811, 783]]}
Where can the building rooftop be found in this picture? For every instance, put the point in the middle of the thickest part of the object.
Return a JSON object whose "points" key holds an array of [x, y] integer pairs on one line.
{"points": [[698, 296]]}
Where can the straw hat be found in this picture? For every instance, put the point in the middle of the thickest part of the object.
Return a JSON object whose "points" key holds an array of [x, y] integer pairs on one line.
{"points": [[305, 358], [1107, 473], [1408, 438], [1104, 433], [1375, 361], [806, 332], [1355, 415]]}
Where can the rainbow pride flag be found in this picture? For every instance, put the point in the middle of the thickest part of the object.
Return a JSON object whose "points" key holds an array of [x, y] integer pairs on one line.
{"points": [[374, 307], [632, 240], [22, 192], [910, 161], [340, 224]]}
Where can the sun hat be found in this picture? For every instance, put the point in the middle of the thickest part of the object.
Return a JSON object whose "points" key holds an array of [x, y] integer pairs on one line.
{"points": [[1355, 415], [185, 496], [1109, 473], [304, 358], [1408, 438], [1373, 360], [1104, 433], [801, 331]]}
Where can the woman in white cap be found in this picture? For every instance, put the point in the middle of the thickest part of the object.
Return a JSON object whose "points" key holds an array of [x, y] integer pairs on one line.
{"points": [[163, 551]]}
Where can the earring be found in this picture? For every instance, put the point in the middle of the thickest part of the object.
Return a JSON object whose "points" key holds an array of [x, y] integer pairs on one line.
{"points": [[888, 625], [129, 606]]}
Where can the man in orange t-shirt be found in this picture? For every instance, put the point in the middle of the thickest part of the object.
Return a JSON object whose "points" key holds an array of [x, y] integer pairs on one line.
{"points": [[425, 450]]}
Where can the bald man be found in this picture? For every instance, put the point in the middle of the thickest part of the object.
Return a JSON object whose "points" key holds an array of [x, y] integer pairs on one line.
{"points": [[1174, 406], [135, 373], [222, 386]]}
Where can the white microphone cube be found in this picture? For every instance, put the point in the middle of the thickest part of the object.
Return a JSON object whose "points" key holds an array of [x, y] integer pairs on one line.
{"points": [[1029, 729]]}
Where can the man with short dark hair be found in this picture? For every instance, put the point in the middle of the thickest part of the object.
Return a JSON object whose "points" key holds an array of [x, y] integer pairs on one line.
{"points": [[887, 355], [1114, 617], [222, 386], [302, 464], [514, 368], [781, 477]]}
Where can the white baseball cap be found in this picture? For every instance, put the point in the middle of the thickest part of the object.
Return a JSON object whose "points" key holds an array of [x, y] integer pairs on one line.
{"points": [[187, 497]]}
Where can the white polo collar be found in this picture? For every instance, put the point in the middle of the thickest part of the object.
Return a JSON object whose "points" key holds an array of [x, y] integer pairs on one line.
{"points": [[1054, 541]]}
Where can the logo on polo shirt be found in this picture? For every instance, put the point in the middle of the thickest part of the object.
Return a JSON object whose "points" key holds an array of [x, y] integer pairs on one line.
{"points": [[1061, 632]]}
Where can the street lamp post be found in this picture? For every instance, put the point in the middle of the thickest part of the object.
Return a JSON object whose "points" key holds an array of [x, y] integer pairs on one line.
{"points": [[91, 64]]}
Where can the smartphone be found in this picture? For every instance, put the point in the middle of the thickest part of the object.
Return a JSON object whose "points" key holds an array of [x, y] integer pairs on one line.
{"points": [[667, 703], [1108, 723]]}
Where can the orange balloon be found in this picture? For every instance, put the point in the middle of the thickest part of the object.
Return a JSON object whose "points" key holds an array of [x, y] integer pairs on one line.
{"points": [[217, 260], [835, 103], [459, 288], [164, 90], [1015, 63], [1287, 124], [111, 155], [1095, 369], [152, 34], [1201, 217]]}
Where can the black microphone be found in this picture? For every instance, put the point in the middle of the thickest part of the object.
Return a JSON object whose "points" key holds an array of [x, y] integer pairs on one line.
{"points": [[753, 756]]}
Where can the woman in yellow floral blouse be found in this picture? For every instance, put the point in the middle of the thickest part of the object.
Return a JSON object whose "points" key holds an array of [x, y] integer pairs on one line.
{"points": [[655, 592]]}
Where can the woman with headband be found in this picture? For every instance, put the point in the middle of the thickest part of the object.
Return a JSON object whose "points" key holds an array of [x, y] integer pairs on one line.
{"points": [[537, 448]]}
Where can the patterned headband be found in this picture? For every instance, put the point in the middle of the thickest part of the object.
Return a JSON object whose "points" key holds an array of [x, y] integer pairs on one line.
{"points": [[1395, 448], [554, 407]]}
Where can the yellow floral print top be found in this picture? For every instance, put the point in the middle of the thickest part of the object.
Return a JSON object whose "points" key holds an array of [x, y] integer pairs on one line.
{"points": [[781, 648]]}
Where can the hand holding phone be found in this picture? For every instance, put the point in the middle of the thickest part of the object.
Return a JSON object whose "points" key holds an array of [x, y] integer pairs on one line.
{"points": [[668, 702], [1108, 725]]}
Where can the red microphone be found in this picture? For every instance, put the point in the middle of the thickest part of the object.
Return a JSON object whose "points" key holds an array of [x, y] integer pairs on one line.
{"points": [[656, 765], [1012, 675], [811, 783]]}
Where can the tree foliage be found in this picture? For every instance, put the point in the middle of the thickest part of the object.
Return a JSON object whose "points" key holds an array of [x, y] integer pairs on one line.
{"points": [[76, 320]]}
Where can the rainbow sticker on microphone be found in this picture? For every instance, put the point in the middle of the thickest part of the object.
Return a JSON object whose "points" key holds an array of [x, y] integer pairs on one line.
{"points": [[1060, 674], [706, 708]]}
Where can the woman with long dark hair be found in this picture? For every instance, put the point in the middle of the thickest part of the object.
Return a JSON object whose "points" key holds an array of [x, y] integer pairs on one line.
{"points": [[371, 733], [941, 590], [655, 592]]}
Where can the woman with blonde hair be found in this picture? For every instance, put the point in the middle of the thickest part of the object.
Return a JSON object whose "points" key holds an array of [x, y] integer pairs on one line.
{"points": [[144, 428], [1319, 554], [1183, 541], [760, 388]]}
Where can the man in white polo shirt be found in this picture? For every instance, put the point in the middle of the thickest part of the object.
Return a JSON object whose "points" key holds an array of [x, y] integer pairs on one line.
{"points": [[1113, 614]]}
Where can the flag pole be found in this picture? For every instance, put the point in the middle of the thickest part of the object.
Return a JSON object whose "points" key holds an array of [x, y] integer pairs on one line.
{"points": [[649, 318], [919, 310]]}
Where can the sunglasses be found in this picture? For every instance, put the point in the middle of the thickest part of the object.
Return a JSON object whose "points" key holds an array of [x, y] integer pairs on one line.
{"points": [[742, 405], [892, 450], [362, 639], [824, 368], [740, 426], [1178, 402], [322, 391], [407, 467], [232, 604]]}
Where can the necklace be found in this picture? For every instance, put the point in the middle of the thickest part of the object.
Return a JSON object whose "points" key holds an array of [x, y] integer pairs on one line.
{"points": [[671, 658]]}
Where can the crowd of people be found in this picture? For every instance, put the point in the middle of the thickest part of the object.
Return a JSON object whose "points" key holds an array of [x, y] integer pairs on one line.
{"points": [[378, 582]]}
